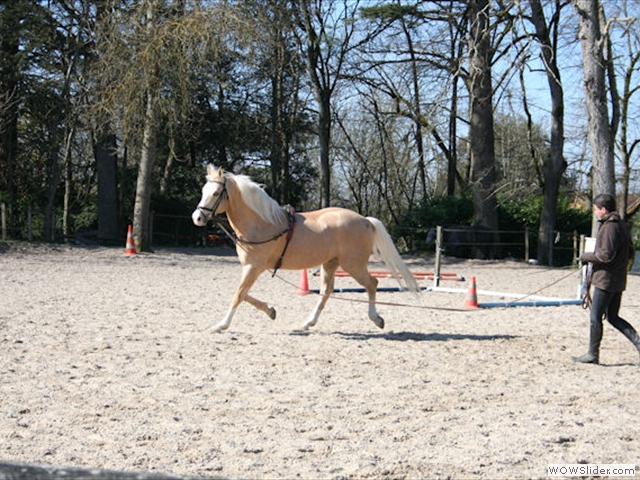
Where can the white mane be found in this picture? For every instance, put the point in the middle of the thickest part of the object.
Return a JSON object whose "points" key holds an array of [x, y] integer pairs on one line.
{"points": [[257, 199]]}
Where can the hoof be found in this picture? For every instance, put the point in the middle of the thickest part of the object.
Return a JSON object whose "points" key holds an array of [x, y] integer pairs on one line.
{"points": [[309, 323], [220, 328], [272, 313], [379, 321], [306, 326]]}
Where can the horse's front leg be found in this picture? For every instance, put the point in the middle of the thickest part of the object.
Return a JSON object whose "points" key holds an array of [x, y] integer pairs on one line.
{"points": [[262, 306], [249, 275]]}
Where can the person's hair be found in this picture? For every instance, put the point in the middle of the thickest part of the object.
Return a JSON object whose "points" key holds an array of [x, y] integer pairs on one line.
{"points": [[604, 200]]}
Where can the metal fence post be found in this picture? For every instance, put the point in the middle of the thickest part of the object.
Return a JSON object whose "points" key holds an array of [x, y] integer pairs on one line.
{"points": [[29, 224], [3, 210], [436, 273]]}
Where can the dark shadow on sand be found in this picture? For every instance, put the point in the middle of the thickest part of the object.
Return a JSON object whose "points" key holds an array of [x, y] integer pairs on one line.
{"points": [[15, 471], [421, 337], [610, 365]]}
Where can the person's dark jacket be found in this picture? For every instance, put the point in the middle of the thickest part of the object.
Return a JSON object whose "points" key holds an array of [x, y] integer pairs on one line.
{"points": [[611, 257]]}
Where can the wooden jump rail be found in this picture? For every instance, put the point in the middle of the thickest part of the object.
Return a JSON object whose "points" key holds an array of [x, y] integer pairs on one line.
{"points": [[419, 275]]}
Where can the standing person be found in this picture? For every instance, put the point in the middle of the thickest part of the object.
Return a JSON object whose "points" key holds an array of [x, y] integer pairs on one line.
{"points": [[610, 260]]}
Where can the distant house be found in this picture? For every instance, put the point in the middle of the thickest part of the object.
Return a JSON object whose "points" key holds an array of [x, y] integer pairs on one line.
{"points": [[633, 205], [583, 202]]}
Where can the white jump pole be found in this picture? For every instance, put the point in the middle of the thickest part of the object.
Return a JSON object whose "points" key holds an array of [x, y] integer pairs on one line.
{"points": [[532, 303], [492, 294], [532, 300]]}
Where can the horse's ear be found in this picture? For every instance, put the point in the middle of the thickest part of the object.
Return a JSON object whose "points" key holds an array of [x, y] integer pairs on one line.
{"points": [[213, 172]]}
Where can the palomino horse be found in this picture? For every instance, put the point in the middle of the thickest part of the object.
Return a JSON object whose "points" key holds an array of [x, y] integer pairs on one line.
{"points": [[269, 237]]}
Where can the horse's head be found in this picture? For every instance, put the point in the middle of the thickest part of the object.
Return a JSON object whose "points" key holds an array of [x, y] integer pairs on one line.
{"points": [[213, 192]]}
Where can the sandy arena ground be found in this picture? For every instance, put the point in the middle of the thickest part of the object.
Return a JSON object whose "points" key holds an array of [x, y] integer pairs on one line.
{"points": [[108, 361]]}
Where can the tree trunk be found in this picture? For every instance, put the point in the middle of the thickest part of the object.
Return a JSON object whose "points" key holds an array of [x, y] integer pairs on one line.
{"points": [[555, 165], [66, 164], [626, 145], [12, 19], [322, 92], [107, 170], [53, 179], [104, 151], [277, 156], [141, 209], [9, 153], [452, 158], [481, 133], [324, 135], [144, 184], [599, 130], [165, 180], [416, 110]]}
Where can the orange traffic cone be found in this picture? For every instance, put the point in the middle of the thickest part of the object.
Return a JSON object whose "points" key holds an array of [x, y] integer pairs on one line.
{"points": [[130, 248], [472, 296], [303, 288]]}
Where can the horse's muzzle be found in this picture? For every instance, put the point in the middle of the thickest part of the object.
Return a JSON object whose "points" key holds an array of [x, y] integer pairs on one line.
{"points": [[198, 218]]}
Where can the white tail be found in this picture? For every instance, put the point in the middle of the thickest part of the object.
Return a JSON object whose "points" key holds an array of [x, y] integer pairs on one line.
{"points": [[384, 247]]}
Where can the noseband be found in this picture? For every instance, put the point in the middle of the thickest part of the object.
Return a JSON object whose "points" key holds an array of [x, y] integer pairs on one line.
{"points": [[209, 212]]}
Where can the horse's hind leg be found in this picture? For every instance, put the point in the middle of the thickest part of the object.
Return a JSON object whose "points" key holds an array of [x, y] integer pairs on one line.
{"points": [[249, 275], [327, 277], [361, 275]]}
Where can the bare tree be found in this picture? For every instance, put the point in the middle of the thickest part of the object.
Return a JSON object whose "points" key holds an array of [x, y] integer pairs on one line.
{"points": [[594, 70], [328, 30], [481, 133], [555, 165], [278, 59], [630, 87], [432, 56], [105, 147], [61, 118], [148, 71], [12, 17], [416, 103], [144, 186]]}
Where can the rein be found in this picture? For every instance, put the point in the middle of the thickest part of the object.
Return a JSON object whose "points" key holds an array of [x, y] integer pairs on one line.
{"points": [[288, 231], [423, 307], [235, 239], [388, 304]]}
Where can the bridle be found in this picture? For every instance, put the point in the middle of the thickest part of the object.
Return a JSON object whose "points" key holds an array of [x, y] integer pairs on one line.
{"points": [[208, 212]]}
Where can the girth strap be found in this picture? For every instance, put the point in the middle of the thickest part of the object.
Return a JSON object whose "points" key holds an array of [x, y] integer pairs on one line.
{"points": [[291, 214]]}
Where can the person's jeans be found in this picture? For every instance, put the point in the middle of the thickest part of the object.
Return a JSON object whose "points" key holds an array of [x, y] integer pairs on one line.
{"points": [[607, 304]]}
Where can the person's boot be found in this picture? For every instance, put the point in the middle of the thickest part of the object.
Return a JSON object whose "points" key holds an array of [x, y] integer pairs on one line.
{"points": [[595, 336], [588, 357], [633, 337]]}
